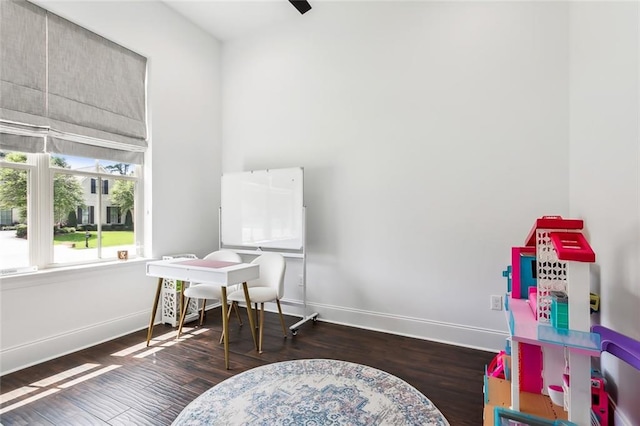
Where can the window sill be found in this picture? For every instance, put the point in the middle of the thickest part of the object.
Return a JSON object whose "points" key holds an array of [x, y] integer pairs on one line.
{"points": [[45, 276]]}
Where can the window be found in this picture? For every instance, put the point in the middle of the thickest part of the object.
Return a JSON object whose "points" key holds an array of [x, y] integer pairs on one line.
{"points": [[6, 217], [61, 121], [87, 227], [105, 186], [113, 215]]}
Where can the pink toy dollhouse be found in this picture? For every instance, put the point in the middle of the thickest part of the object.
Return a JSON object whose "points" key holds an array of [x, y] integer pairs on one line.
{"points": [[549, 378], [555, 259]]}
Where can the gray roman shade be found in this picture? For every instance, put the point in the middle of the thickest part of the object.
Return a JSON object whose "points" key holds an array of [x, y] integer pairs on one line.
{"points": [[22, 143], [22, 75], [86, 92]]}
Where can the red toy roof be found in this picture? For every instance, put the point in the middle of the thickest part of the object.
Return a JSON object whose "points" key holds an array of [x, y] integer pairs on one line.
{"points": [[551, 222], [572, 246]]}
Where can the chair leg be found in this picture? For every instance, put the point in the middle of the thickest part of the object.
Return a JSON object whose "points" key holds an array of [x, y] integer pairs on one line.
{"points": [[284, 329], [234, 305], [261, 327], [229, 310], [204, 305], [255, 309], [184, 314], [228, 317]]}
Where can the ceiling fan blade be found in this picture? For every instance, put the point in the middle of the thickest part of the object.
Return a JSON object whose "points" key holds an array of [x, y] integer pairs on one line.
{"points": [[302, 5]]}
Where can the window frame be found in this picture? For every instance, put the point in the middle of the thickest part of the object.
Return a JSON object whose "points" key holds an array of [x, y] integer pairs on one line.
{"points": [[40, 214]]}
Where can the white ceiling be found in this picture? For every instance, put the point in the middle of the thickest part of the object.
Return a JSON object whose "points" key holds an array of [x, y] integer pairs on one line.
{"points": [[228, 19]]}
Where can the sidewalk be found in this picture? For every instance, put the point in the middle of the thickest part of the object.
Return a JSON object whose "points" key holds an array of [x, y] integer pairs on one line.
{"points": [[14, 252]]}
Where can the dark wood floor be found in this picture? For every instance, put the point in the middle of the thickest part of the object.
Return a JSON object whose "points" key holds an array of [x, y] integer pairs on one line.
{"points": [[152, 390]]}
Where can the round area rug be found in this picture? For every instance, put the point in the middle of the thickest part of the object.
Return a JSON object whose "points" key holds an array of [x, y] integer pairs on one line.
{"points": [[312, 392]]}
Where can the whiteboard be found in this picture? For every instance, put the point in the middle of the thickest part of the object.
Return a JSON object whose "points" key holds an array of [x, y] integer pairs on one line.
{"points": [[263, 209]]}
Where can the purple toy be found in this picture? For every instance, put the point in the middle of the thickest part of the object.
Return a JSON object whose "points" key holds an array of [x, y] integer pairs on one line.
{"points": [[619, 345]]}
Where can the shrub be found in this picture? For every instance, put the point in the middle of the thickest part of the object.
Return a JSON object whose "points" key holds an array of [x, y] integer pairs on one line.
{"points": [[65, 230], [72, 220], [21, 231], [128, 220]]}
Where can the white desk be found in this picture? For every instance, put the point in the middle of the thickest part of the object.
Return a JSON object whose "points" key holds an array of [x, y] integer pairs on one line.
{"points": [[206, 271]]}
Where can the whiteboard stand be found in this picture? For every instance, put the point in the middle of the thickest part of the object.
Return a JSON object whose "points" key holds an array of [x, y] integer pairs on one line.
{"points": [[314, 316], [257, 208], [303, 256]]}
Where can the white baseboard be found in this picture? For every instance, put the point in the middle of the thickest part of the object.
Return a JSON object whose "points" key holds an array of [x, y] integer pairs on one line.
{"points": [[35, 352], [437, 331]]}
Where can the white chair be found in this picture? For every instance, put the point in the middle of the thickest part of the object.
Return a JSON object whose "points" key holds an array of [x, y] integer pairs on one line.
{"points": [[208, 291], [268, 288]]}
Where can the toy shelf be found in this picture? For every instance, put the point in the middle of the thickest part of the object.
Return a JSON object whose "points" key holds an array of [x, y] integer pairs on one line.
{"points": [[497, 393], [578, 341], [522, 324], [524, 328]]}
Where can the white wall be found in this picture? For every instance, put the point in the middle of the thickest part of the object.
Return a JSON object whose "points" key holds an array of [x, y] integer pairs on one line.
{"points": [[605, 170], [432, 136], [49, 314]]}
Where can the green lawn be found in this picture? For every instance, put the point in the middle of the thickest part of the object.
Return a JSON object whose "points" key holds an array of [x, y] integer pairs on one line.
{"points": [[109, 238]]}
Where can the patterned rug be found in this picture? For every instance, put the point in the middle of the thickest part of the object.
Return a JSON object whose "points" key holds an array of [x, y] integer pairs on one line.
{"points": [[312, 392]]}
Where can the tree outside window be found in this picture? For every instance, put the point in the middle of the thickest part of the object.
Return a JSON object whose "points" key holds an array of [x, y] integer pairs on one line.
{"points": [[13, 192], [67, 193]]}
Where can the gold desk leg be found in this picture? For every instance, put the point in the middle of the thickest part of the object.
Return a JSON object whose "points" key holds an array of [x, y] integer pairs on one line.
{"points": [[249, 311], [225, 326], [261, 322], [181, 284], [154, 310]]}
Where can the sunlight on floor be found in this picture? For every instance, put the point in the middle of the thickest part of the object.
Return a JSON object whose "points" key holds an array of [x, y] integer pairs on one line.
{"points": [[41, 384], [88, 376], [28, 400], [163, 341], [89, 371], [65, 375]]}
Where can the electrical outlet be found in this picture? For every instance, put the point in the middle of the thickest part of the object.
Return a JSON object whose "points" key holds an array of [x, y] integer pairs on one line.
{"points": [[496, 302], [300, 280]]}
